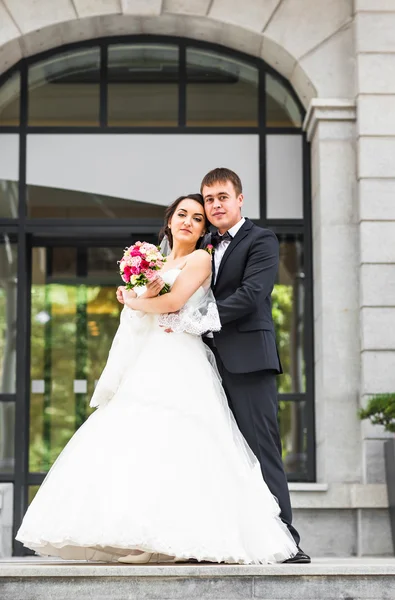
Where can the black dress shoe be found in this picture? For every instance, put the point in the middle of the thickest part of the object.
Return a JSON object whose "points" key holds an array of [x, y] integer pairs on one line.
{"points": [[299, 558]]}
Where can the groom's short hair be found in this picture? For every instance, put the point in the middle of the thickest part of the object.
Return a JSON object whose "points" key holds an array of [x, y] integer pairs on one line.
{"points": [[222, 175]]}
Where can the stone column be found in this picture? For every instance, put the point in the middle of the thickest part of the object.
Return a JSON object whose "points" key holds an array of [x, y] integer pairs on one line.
{"points": [[375, 55], [330, 126]]}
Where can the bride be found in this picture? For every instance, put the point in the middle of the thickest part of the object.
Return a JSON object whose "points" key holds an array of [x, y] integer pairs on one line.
{"points": [[160, 471]]}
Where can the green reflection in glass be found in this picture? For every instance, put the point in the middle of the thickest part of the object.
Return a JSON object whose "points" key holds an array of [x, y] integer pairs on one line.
{"points": [[8, 304], [282, 315], [288, 316], [33, 489], [72, 330]]}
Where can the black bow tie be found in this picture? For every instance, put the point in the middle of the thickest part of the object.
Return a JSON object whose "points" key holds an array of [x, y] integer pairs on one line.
{"points": [[217, 238]]}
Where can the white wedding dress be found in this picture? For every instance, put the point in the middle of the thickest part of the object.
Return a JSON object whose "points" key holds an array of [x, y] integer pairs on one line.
{"points": [[160, 466]]}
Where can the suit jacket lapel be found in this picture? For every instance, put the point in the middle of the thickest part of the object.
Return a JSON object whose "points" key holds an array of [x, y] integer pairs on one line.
{"points": [[240, 235]]}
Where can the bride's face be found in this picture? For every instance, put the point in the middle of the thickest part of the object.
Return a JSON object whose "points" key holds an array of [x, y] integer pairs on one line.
{"points": [[187, 224]]}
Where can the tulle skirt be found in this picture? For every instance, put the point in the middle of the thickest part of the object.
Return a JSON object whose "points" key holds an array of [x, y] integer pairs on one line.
{"points": [[161, 467]]}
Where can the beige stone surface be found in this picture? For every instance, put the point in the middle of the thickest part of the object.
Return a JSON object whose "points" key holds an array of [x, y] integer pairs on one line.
{"points": [[377, 284], [377, 328], [374, 5], [303, 85], [30, 15], [299, 26], [251, 14], [91, 8], [186, 7], [338, 198], [377, 199], [41, 567], [277, 57], [142, 7], [376, 115], [119, 25], [377, 157], [377, 242], [10, 54], [57, 35], [378, 373], [374, 32], [8, 28], [376, 73], [336, 80]]}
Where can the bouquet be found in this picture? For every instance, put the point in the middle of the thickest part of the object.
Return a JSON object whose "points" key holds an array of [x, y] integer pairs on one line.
{"points": [[139, 265]]}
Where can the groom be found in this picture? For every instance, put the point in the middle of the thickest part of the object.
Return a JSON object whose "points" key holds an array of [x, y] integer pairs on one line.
{"points": [[245, 266]]}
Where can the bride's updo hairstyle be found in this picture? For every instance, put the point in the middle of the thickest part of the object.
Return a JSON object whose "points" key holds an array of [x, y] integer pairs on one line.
{"points": [[170, 210]]}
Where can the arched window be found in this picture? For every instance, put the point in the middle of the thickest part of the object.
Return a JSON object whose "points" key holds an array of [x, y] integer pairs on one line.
{"points": [[95, 140]]}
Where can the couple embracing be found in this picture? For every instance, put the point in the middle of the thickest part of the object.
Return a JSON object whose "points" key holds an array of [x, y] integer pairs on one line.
{"points": [[186, 427]]}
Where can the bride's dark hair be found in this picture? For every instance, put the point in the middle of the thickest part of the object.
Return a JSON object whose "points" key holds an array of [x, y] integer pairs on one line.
{"points": [[170, 210]]}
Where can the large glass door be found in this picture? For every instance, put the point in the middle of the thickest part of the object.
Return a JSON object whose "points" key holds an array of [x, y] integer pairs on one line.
{"points": [[74, 316]]}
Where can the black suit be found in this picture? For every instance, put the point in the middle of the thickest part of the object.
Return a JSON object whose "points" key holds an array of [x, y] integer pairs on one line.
{"points": [[246, 352]]}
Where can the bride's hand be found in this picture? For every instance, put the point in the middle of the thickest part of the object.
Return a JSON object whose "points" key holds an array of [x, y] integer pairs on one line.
{"points": [[128, 295], [119, 294], [153, 288]]}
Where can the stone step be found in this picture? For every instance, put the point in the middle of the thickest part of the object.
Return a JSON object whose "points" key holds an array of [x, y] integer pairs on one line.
{"points": [[324, 579]]}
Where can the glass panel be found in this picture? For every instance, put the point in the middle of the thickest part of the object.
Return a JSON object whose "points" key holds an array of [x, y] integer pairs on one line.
{"points": [[131, 175], [10, 93], [64, 89], [9, 175], [293, 431], [143, 85], [8, 306], [288, 315], [221, 91], [74, 318], [33, 489], [46, 202], [284, 166], [281, 107], [7, 436]]}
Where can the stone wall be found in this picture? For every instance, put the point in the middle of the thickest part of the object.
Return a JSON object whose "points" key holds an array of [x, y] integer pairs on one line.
{"points": [[6, 498], [375, 60]]}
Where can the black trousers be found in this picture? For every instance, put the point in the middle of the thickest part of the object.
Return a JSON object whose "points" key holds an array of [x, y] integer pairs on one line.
{"points": [[253, 400]]}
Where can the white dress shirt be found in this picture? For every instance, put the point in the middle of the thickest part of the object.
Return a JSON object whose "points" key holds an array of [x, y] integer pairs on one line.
{"points": [[220, 250]]}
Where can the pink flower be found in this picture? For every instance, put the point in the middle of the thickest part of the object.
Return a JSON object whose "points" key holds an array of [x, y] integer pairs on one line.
{"points": [[150, 275], [135, 261], [127, 272]]}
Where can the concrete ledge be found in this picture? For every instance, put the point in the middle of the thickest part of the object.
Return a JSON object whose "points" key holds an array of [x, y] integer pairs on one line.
{"points": [[308, 487], [38, 567], [339, 496], [325, 580]]}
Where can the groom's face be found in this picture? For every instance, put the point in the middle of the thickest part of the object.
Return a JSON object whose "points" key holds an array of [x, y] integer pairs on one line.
{"points": [[222, 205]]}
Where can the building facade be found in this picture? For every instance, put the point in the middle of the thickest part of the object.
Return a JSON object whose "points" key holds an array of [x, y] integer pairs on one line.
{"points": [[109, 109]]}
